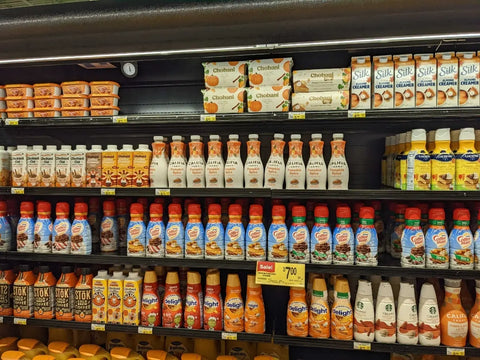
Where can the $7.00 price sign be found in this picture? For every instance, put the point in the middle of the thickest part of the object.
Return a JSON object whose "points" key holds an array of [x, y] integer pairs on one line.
{"points": [[280, 274]]}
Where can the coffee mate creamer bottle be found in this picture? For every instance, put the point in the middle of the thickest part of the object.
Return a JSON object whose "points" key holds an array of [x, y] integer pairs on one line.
{"points": [[235, 234], [467, 162], [275, 167], [321, 237], [295, 168], [256, 237], [366, 240], [214, 234], [364, 314], [159, 164], [343, 237], [62, 229], [233, 165], [413, 240], [253, 164], [177, 167], [215, 167], [278, 235], [299, 237], [338, 173], [156, 232], [194, 233], [436, 240], [196, 163], [418, 163], [136, 233], [428, 317], [342, 312], [174, 233], [461, 241], [297, 313], [443, 162], [316, 171]]}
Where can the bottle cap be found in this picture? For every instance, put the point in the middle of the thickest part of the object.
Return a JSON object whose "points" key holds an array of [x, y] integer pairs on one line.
{"points": [[172, 278], [158, 138], [214, 137], [256, 210], [195, 138], [278, 136], [42, 269], [233, 280], [214, 209], [150, 277], [400, 208], [37, 147], [26, 206], [235, 209], [81, 208], [467, 134], [299, 211], [337, 136], [233, 137], [156, 210], [252, 136], [24, 267], [66, 269], [194, 209], [321, 211], [176, 138], [367, 212], [193, 278], [419, 135], [442, 134], [461, 214], [279, 210], [66, 147], [413, 213], [143, 147], [295, 137], [436, 214], [316, 136], [174, 209], [343, 212], [109, 207], [85, 271], [3, 206], [319, 284], [62, 208], [136, 209]]}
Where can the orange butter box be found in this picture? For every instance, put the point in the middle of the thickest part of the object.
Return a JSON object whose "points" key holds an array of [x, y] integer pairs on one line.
{"points": [[104, 110], [47, 89], [104, 87], [224, 100], [317, 101], [19, 90], [270, 72], [468, 79], [268, 98], [447, 79], [227, 74], [47, 102], [19, 113], [19, 102], [75, 88], [361, 88]]}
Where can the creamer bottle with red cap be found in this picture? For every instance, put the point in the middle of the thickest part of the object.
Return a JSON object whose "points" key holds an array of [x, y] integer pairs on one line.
{"points": [[321, 237], [338, 173], [5, 229], [43, 229], [254, 307], [278, 235], [234, 310], [413, 240], [194, 233], [156, 232], [474, 318], [316, 171], [253, 164], [213, 304], [151, 306], [215, 167], [172, 314], [275, 167], [174, 233], [177, 167], [62, 229], [136, 233], [295, 168], [233, 165], [81, 233], [193, 312], [299, 236], [453, 317], [25, 228], [109, 228], [461, 241], [214, 234], [436, 240], [196, 163], [235, 234], [343, 237], [366, 241], [159, 164], [256, 237]]}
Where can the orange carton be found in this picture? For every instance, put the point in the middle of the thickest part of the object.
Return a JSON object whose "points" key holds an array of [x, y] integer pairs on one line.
{"points": [[125, 166], [269, 72], [361, 83], [46, 112], [225, 74], [224, 100], [447, 79], [110, 166], [73, 112], [404, 81], [141, 166], [19, 102], [383, 82], [104, 110], [468, 78], [269, 98], [48, 102], [19, 113], [75, 101], [426, 80], [104, 100]]}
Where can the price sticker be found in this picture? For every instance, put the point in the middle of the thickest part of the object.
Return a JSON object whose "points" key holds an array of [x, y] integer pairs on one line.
{"points": [[120, 120], [11, 122], [162, 192], [145, 330], [20, 321], [280, 274], [98, 327], [356, 114], [455, 351], [296, 115], [17, 191], [229, 336], [208, 117], [107, 192], [362, 346]]}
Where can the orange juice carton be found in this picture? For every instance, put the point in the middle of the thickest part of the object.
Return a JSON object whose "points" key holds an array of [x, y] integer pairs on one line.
{"points": [[132, 299], [468, 78], [318, 101], [383, 76], [110, 166], [100, 297], [426, 80], [224, 100], [268, 98], [269, 72], [23, 292], [361, 88], [447, 81], [115, 298], [141, 166], [320, 80], [125, 166], [404, 81], [225, 74]]}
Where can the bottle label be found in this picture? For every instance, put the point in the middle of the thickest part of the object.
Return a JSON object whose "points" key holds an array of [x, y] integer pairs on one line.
{"points": [[316, 171], [418, 170], [443, 171], [212, 309], [429, 322], [256, 242], [132, 301], [366, 246], [62, 167], [253, 166], [214, 241], [278, 243], [343, 242], [42, 236], [109, 234], [194, 240], [77, 169], [234, 314], [172, 311], [467, 169], [461, 248], [364, 319], [342, 321], [61, 234], [25, 235], [33, 169], [175, 240], [156, 239], [136, 238], [44, 301], [83, 303], [437, 247], [81, 237], [385, 324], [338, 172], [319, 319], [214, 169], [23, 300], [64, 301], [114, 299], [321, 244], [235, 241], [298, 243]]}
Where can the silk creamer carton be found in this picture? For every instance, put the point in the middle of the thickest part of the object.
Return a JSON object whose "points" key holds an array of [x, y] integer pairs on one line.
{"points": [[383, 82], [404, 81], [447, 81], [468, 79], [361, 83], [426, 80]]}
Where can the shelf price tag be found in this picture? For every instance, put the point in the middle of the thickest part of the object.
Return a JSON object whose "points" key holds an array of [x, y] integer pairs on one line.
{"points": [[11, 122], [296, 115], [362, 346], [20, 321], [356, 114], [229, 336], [98, 327], [120, 120], [455, 351], [107, 192], [162, 192], [208, 117], [280, 274], [17, 190], [145, 330]]}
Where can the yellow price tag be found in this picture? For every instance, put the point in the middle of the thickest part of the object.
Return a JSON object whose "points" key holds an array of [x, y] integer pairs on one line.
{"points": [[107, 192], [356, 114], [17, 191], [362, 346], [120, 119], [162, 192], [145, 330], [20, 321], [98, 327], [11, 122], [229, 336], [456, 351], [280, 274], [208, 118], [296, 115]]}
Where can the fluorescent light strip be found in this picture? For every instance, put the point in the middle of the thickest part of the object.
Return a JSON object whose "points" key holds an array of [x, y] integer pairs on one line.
{"points": [[227, 49]]}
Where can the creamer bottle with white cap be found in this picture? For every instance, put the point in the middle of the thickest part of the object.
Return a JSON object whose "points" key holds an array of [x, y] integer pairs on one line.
{"points": [[19, 166], [33, 165], [275, 167], [93, 166], [316, 171], [418, 163], [443, 162], [109, 166], [385, 318], [253, 164], [338, 172], [159, 164], [428, 317], [233, 165], [215, 167], [196, 163], [467, 162], [364, 314], [401, 151], [295, 168], [125, 166], [177, 167], [78, 166], [403, 160], [407, 317]]}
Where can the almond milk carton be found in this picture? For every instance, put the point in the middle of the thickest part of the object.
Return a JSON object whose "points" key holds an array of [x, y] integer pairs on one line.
{"points": [[426, 80], [361, 83], [404, 81], [383, 82], [468, 79], [447, 79]]}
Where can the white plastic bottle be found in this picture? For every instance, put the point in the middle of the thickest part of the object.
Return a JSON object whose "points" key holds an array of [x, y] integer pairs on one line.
{"points": [[159, 164], [196, 163], [428, 317], [338, 172], [19, 166], [78, 166], [215, 167], [253, 164], [316, 171], [33, 166], [177, 167], [385, 318], [233, 165], [407, 316], [275, 167], [295, 168], [364, 315]]}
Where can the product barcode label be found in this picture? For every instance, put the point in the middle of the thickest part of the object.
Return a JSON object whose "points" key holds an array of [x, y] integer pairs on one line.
{"points": [[456, 351], [208, 117], [356, 114], [11, 122], [296, 115], [107, 192], [120, 119], [229, 336], [162, 192], [362, 346], [145, 330], [17, 190], [20, 321], [98, 327]]}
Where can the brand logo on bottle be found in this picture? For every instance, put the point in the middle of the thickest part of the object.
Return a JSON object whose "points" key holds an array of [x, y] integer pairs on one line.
{"points": [[135, 230], [464, 240], [77, 228], [173, 300], [155, 231], [440, 239], [193, 233], [234, 233], [363, 237], [173, 231], [319, 309], [279, 235], [255, 234], [213, 233], [342, 237], [61, 228], [191, 301], [252, 305], [417, 239], [297, 307], [234, 304], [342, 311], [107, 224], [38, 227], [211, 302], [300, 235], [322, 236]]}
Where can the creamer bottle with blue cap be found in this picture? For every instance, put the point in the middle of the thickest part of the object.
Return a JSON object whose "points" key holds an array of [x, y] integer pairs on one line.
{"points": [[467, 162], [443, 162], [419, 168], [295, 168], [253, 165]]}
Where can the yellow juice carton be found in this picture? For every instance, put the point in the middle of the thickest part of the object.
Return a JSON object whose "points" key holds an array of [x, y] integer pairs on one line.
{"points": [[125, 166], [110, 166], [115, 298], [141, 166], [132, 299], [100, 297]]}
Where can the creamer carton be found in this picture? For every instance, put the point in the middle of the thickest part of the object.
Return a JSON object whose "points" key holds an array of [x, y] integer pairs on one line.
{"points": [[93, 166], [426, 80], [110, 166], [383, 76], [268, 98], [125, 166], [100, 297], [361, 83], [115, 298], [141, 166], [447, 81], [33, 166], [305, 81], [404, 81], [225, 74], [19, 166], [468, 79], [270, 71], [62, 166], [132, 299], [224, 100], [317, 101]]}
